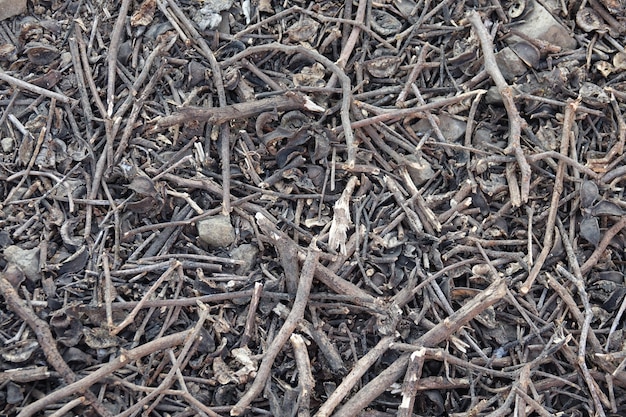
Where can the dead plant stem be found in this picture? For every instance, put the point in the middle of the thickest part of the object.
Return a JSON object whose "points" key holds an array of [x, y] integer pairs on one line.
{"points": [[568, 122], [297, 312]]}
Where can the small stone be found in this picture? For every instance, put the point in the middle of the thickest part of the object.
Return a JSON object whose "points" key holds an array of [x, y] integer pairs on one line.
{"points": [[419, 169], [7, 144], [26, 259], [10, 8], [216, 231], [246, 253], [452, 128]]}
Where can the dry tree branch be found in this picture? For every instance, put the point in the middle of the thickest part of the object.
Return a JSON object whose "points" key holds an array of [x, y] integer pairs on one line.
{"points": [[82, 385], [114, 46], [24, 85], [515, 120], [491, 295], [350, 380], [47, 342], [297, 312], [548, 239], [306, 382]]}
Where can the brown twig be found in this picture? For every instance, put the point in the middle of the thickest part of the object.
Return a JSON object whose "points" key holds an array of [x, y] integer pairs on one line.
{"points": [[506, 92], [604, 243], [131, 317], [47, 342], [411, 379], [585, 331], [548, 239], [491, 295], [306, 382], [346, 88], [218, 115], [350, 43], [116, 37], [35, 89], [297, 312], [350, 380], [252, 315]]}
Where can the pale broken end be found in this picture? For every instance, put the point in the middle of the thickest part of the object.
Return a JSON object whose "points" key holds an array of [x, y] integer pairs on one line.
{"points": [[312, 106]]}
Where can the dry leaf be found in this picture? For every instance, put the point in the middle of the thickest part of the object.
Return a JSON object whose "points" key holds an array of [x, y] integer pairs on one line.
{"points": [[145, 14]]}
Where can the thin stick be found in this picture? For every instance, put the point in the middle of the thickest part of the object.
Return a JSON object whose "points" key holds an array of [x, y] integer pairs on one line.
{"points": [[604, 243], [491, 295], [506, 92], [350, 380], [346, 88], [306, 382], [114, 47], [129, 319], [568, 122], [349, 45], [297, 312], [47, 342], [252, 314], [35, 89]]}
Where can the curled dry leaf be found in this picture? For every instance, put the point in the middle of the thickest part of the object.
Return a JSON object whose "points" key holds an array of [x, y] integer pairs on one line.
{"points": [[588, 20], [20, 351], [30, 30], [312, 76], [48, 80], [13, 274], [143, 185], [145, 14], [588, 194], [593, 95], [607, 208], [223, 374], [75, 262], [517, 9], [527, 52], [303, 31], [590, 230], [99, 338], [197, 73], [619, 60], [383, 66], [407, 8], [14, 393], [605, 68], [265, 6], [7, 52], [384, 23], [294, 120], [231, 76], [41, 54]]}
